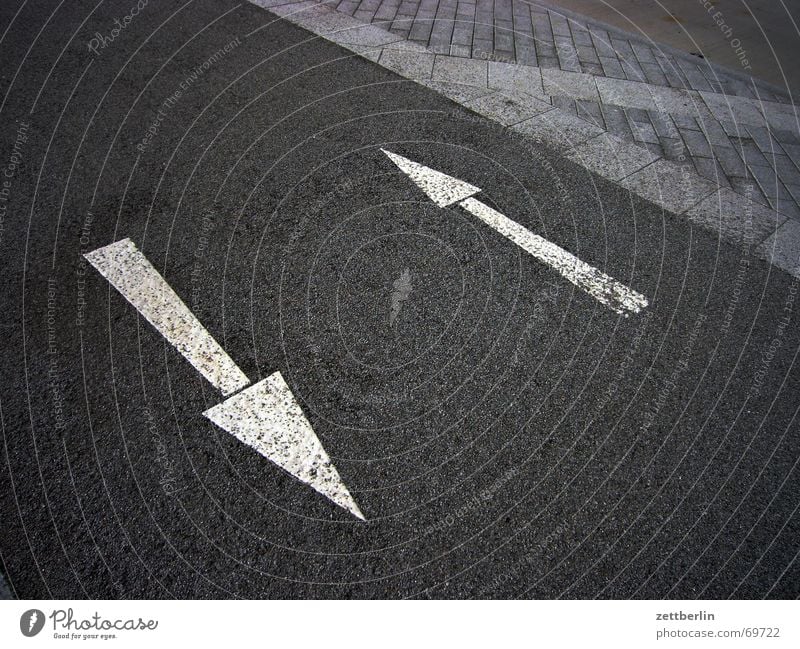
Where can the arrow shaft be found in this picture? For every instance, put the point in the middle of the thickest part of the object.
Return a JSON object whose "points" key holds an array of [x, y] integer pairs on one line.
{"points": [[603, 288], [129, 271]]}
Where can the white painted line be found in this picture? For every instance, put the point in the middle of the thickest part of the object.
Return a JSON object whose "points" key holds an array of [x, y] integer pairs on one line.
{"points": [[603, 288], [442, 189], [445, 190], [128, 270], [267, 417]]}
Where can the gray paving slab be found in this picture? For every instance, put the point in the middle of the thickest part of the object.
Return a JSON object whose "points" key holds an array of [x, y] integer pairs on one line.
{"points": [[508, 107], [463, 71], [414, 65], [782, 248], [557, 130], [669, 186], [569, 84], [611, 157], [737, 218], [509, 76]]}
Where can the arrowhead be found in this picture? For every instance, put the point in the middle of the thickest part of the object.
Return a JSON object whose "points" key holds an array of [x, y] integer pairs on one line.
{"points": [[442, 189], [267, 417]]}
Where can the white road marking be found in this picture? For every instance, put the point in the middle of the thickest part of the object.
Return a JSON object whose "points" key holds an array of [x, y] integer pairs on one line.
{"points": [[130, 272], [267, 417], [442, 189], [445, 190], [596, 283]]}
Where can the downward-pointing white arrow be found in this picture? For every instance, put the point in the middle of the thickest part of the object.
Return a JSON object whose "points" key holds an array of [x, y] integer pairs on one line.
{"points": [[445, 190], [265, 416]]}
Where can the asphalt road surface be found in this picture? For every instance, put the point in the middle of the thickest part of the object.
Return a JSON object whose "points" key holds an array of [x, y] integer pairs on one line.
{"points": [[504, 433]]}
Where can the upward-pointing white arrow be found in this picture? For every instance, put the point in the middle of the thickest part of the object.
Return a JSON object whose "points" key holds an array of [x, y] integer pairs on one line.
{"points": [[445, 190]]}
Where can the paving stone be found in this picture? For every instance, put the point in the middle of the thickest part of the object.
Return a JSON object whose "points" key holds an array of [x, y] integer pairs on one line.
{"points": [[696, 142], [736, 109], [602, 42], [612, 67], [592, 68], [748, 187], [794, 190], [750, 153], [781, 247], [508, 107], [733, 129], [637, 115], [611, 157], [697, 80], [730, 161], [786, 137], [675, 78], [793, 151], [625, 93], [587, 54], [654, 148], [507, 76], [591, 112], [484, 31], [713, 131], [677, 100], [621, 47], [787, 207], [526, 55], [643, 53], [557, 130], [685, 121], [673, 148], [768, 181], [559, 24], [570, 84], [737, 218], [644, 133], [458, 92], [582, 38], [364, 35], [654, 74], [412, 65], [467, 71], [674, 188], [616, 121], [633, 71], [566, 104], [481, 49], [781, 116], [421, 30], [387, 10], [663, 124], [786, 169], [709, 169], [460, 50], [548, 62]]}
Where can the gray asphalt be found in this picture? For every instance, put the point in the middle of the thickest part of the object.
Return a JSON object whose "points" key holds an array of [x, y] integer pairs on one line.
{"points": [[505, 435]]}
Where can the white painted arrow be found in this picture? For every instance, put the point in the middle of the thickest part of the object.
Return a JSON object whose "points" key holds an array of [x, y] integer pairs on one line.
{"points": [[445, 190], [265, 416]]}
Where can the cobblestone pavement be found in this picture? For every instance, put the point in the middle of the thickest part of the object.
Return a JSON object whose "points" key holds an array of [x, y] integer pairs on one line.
{"points": [[620, 84]]}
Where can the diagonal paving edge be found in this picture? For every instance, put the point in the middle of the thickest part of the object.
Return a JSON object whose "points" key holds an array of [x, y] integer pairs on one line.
{"points": [[510, 95]]}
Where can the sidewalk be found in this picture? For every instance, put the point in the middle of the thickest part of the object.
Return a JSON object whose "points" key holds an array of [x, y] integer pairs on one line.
{"points": [[695, 138]]}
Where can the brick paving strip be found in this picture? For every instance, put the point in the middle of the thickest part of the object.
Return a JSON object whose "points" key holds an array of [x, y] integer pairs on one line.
{"points": [[694, 138]]}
